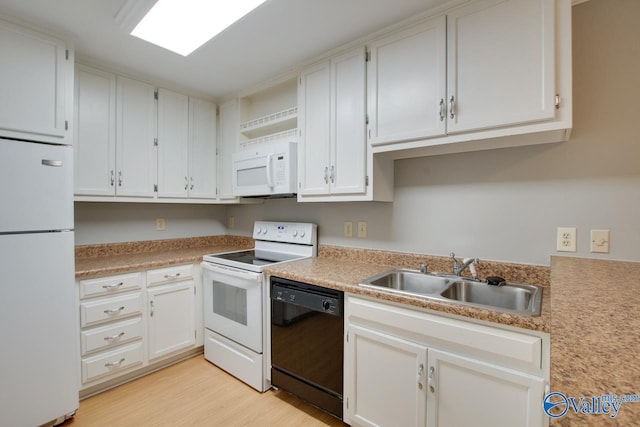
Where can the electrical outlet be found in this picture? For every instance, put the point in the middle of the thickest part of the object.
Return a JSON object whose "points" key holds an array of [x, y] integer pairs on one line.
{"points": [[232, 222], [348, 229], [362, 229], [600, 241], [566, 239], [160, 224]]}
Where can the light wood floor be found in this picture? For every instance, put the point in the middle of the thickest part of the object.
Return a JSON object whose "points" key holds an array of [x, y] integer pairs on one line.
{"points": [[195, 393]]}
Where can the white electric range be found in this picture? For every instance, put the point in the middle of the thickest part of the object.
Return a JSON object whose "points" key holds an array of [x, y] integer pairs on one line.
{"points": [[236, 298]]}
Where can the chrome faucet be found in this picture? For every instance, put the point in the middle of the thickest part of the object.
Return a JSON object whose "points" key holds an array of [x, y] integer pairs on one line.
{"points": [[467, 262]]}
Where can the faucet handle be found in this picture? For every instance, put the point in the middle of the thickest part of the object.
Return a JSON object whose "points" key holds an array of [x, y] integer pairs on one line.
{"points": [[423, 268]]}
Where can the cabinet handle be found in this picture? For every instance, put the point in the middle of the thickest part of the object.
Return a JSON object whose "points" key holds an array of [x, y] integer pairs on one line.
{"points": [[114, 337], [332, 176], [452, 106], [113, 177], [172, 276], [326, 175], [432, 380], [152, 308], [114, 286], [186, 183], [420, 373], [191, 188], [119, 178], [114, 310], [111, 364], [443, 110]]}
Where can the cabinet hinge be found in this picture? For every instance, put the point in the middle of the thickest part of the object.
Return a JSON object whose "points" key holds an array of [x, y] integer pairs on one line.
{"points": [[300, 81], [66, 54], [155, 95], [367, 56], [347, 336], [558, 101], [155, 142], [366, 119], [216, 191], [66, 125], [366, 181], [195, 334], [347, 403], [155, 188]]}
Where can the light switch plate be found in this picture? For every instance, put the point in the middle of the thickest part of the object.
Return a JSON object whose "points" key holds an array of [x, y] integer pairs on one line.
{"points": [[362, 229], [600, 241], [348, 229]]}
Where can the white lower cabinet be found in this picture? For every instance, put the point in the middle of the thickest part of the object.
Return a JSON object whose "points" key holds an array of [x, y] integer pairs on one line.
{"points": [[133, 323], [409, 367]]}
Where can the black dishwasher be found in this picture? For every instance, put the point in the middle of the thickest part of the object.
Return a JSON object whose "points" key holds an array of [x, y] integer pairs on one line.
{"points": [[306, 342]]}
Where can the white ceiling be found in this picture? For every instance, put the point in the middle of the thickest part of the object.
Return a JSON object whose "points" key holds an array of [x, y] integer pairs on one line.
{"points": [[271, 40]]}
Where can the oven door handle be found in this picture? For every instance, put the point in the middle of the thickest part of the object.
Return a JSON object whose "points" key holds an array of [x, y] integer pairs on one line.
{"points": [[232, 272]]}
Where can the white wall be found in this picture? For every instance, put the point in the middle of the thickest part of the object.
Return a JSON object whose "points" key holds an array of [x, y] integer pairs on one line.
{"points": [[506, 204], [124, 222]]}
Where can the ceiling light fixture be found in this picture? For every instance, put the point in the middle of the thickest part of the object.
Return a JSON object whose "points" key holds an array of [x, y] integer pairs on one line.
{"points": [[182, 26]]}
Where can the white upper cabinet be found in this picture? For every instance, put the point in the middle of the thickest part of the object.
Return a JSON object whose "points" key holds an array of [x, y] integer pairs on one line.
{"points": [[487, 74], [501, 68], [202, 149], [334, 162], [173, 144], [135, 134], [36, 83], [407, 84], [95, 132], [229, 122]]}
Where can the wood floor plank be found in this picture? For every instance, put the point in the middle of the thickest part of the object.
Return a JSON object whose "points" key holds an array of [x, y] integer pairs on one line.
{"points": [[195, 393]]}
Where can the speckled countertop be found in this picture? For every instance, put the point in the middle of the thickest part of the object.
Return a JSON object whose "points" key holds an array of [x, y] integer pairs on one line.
{"points": [[108, 259], [596, 335], [342, 269]]}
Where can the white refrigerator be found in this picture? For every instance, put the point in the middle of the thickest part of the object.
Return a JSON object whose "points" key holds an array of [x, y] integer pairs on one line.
{"points": [[39, 366]]}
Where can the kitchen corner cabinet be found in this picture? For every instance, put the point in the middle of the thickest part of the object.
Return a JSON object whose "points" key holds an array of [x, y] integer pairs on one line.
{"points": [[507, 81], [36, 82], [334, 160], [408, 367], [133, 323]]}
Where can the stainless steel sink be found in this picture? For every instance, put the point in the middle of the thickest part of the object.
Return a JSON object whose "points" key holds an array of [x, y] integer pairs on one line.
{"points": [[512, 297], [521, 299], [409, 281]]}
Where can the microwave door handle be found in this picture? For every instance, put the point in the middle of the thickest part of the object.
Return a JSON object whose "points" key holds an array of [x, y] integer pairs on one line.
{"points": [[269, 172]]}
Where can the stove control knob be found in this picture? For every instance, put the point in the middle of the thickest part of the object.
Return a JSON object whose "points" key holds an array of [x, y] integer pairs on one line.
{"points": [[295, 233], [302, 234], [264, 231], [259, 230], [326, 304]]}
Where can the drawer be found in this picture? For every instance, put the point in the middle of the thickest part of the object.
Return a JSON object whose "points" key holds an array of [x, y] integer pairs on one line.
{"points": [[110, 285], [111, 335], [92, 312], [163, 276], [111, 362]]}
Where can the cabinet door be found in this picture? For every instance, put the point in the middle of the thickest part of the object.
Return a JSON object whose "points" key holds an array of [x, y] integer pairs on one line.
{"points": [[406, 84], [95, 132], [385, 380], [171, 318], [173, 144], [32, 83], [136, 157], [465, 392], [501, 63], [229, 124], [314, 122], [202, 149], [348, 110]]}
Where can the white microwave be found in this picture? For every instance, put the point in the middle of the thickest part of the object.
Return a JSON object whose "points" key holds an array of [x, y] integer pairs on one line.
{"points": [[266, 170]]}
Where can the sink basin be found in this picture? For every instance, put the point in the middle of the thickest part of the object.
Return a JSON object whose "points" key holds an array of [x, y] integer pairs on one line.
{"points": [[521, 299], [512, 297], [410, 281]]}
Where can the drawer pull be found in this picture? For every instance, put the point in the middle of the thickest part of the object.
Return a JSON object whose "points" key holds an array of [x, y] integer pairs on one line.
{"points": [[112, 364], [114, 337], [172, 276], [114, 310], [114, 286]]}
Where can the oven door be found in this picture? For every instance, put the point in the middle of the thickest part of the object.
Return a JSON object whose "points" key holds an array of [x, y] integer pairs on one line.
{"points": [[233, 304]]}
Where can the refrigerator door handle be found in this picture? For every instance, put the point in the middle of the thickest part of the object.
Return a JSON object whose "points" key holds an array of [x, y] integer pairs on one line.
{"points": [[55, 163]]}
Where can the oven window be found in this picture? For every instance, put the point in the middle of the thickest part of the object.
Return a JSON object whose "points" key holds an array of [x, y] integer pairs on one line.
{"points": [[252, 176], [230, 302]]}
